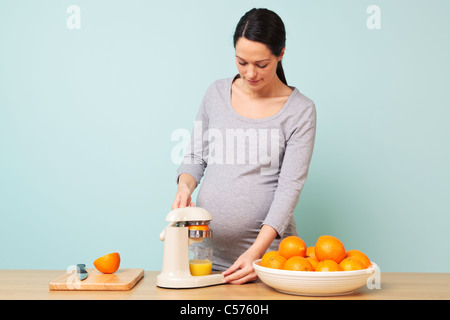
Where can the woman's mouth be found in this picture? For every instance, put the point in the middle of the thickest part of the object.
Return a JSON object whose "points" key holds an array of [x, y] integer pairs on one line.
{"points": [[252, 82]]}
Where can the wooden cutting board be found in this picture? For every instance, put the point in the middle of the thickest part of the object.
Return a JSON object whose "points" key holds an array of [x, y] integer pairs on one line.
{"points": [[122, 279]]}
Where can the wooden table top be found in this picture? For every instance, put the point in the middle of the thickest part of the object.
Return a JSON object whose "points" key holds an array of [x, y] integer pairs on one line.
{"points": [[34, 285]]}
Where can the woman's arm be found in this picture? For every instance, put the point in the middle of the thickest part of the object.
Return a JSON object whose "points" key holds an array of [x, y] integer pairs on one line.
{"points": [[292, 177], [242, 270], [293, 173], [192, 168]]}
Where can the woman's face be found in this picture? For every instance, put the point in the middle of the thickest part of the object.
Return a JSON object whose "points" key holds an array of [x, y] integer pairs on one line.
{"points": [[256, 64]]}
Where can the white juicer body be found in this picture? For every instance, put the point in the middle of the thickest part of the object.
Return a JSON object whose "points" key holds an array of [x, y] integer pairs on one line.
{"points": [[175, 271]]}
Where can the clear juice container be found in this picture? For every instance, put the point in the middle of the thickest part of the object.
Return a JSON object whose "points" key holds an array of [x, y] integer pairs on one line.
{"points": [[200, 259]]}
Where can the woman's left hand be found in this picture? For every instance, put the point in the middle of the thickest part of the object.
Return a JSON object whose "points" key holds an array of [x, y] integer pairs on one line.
{"points": [[242, 270]]}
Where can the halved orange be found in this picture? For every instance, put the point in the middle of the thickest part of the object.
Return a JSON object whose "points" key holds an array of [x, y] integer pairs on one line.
{"points": [[108, 263], [199, 227]]}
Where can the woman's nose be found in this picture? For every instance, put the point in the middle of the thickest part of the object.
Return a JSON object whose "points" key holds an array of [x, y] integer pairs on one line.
{"points": [[251, 72]]}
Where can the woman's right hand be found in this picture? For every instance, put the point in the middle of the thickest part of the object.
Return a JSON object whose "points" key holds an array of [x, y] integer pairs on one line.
{"points": [[182, 198], [186, 186]]}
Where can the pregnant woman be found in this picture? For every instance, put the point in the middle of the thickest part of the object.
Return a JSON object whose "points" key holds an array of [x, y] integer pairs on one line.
{"points": [[251, 148]]}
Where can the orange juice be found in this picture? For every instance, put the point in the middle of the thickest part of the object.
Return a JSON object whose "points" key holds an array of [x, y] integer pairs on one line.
{"points": [[200, 267]]}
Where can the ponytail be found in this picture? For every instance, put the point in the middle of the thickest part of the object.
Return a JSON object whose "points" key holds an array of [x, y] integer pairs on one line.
{"points": [[280, 73]]}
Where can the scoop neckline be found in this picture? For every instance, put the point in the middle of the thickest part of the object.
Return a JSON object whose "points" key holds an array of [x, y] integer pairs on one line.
{"points": [[266, 119]]}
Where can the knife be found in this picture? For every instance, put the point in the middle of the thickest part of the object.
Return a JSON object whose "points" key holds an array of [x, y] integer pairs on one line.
{"points": [[81, 271]]}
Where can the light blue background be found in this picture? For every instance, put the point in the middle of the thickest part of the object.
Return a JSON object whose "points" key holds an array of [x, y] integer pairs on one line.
{"points": [[86, 118]]}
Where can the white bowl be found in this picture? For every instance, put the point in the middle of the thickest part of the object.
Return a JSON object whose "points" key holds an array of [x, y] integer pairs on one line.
{"points": [[312, 283]]}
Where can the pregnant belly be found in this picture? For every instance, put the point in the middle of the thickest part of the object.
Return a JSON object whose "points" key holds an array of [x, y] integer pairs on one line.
{"points": [[237, 209]]}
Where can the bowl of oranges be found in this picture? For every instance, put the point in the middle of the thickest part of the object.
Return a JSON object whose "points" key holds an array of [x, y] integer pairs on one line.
{"points": [[325, 269]]}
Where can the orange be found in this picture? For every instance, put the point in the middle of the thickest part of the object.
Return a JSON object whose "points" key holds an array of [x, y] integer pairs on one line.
{"points": [[351, 263], [265, 258], [273, 259], [311, 252], [108, 263], [313, 261], [328, 265], [297, 263], [292, 246], [329, 248], [360, 256]]}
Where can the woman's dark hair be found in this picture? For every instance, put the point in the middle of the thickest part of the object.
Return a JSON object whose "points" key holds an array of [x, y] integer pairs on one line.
{"points": [[265, 26]]}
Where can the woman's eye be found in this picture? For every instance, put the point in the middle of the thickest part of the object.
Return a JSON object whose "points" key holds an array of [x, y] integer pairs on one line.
{"points": [[259, 66]]}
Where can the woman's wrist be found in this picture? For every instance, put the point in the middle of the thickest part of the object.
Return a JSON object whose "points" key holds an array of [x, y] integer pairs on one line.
{"points": [[185, 180], [263, 241]]}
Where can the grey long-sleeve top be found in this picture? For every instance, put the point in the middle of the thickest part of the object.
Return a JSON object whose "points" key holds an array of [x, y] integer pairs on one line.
{"points": [[250, 171]]}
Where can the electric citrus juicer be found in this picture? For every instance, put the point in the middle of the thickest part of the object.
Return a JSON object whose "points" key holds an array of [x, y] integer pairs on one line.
{"points": [[187, 226]]}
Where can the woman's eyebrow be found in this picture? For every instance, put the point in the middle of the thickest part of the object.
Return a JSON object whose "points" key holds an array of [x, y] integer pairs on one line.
{"points": [[255, 61]]}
